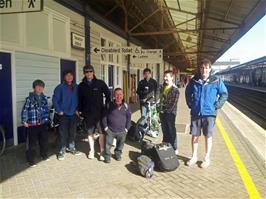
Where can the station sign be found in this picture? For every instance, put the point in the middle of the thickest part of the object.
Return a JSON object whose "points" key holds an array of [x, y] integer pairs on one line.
{"points": [[116, 50], [20, 6], [152, 56], [77, 41]]}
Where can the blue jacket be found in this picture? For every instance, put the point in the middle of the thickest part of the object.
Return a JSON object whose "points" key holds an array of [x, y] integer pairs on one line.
{"points": [[33, 112], [204, 98], [65, 100]]}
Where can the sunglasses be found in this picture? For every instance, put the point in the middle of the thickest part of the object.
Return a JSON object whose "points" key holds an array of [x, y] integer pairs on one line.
{"points": [[88, 71]]}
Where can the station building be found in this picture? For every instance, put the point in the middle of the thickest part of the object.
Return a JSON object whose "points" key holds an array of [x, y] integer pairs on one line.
{"points": [[42, 45]]}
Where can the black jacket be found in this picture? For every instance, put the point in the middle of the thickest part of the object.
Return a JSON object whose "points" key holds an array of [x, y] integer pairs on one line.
{"points": [[146, 89], [91, 99]]}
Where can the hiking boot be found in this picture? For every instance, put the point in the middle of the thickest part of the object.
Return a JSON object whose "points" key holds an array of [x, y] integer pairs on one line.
{"points": [[192, 161], [61, 156]]}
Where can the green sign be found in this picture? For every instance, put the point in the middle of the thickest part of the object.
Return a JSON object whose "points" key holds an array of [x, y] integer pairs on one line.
{"points": [[20, 6]]}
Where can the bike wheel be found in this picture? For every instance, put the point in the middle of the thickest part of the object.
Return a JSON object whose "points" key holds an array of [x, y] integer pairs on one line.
{"points": [[2, 140], [141, 128]]}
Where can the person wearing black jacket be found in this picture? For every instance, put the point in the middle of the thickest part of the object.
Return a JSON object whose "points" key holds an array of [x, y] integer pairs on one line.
{"points": [[146, 89], [91, 107]]}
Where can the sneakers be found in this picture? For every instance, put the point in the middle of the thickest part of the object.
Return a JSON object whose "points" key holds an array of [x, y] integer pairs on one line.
{"points": [[61, 156], [118, 157], [101, 156], [176, 152], [192, 161], [45, 158], [91, 155], [205, 163], [107, 160], [73, 151], [32, 164]]}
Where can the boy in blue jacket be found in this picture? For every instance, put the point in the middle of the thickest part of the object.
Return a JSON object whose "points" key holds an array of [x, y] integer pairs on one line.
{"points": [[205, 94], [65, 101], [34, 117]]}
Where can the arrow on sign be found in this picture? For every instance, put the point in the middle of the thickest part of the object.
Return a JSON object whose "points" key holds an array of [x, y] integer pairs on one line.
{"points": [[96, 50]]}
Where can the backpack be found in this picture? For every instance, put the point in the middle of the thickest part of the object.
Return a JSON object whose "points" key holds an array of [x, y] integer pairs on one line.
{"points": [[147, 148], [133, 134], [145, 166], [164, 157]]}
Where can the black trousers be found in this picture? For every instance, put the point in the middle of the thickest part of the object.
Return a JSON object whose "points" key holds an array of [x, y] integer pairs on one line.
{"points": [[168, 128], [37, 134]]}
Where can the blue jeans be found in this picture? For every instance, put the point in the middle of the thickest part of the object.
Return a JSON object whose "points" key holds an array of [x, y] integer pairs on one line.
{"points": [[168, 128], [120, 140], [67, 131]]}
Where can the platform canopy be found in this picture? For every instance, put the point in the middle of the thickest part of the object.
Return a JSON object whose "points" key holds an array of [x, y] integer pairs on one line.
{"points": [[187, 30]]}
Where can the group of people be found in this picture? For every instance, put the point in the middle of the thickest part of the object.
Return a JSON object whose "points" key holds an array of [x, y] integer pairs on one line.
{"points": [[111, 119], [71, 101], [205, 94]]}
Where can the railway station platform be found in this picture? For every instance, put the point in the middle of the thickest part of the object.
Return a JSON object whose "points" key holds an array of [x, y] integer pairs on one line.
{"points": [[237, 167]]}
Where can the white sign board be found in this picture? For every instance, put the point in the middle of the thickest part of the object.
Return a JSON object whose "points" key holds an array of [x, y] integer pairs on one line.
{"points": [[152, 56], [77, 41], [19, 6], [116, 50]]}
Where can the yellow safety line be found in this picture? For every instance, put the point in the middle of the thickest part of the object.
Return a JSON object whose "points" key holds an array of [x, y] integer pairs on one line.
{"points": [[250, 186]]}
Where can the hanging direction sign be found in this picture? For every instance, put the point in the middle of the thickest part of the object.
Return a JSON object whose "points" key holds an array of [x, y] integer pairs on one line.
{"points": [[152, 56], [115, 50], [20, 6]]}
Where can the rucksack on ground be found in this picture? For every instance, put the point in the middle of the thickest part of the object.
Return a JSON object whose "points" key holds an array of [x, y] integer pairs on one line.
{"points": [[145, 166], [147, 148], [164, 157]]}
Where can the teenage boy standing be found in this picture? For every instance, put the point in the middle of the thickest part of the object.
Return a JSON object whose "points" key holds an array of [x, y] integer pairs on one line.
{"points": [[205, 94]]}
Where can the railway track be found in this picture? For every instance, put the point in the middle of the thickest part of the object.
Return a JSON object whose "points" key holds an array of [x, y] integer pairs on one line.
{"points": [[250, 102]]}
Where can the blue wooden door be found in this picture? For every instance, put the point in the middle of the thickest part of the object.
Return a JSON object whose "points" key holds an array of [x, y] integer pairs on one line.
{"points": [[6, 112]]}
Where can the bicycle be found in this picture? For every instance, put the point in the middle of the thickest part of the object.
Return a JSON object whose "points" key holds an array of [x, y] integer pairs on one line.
{"points": [[149, 124], [2, 140]]}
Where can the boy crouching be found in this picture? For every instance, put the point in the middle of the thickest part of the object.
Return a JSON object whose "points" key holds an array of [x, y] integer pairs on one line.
{"points": [[116, 123]]}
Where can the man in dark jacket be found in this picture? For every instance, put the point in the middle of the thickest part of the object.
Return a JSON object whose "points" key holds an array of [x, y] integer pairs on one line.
{"points": [[205, 94], [169, 95], [116, 123], [91, 107], [146, 88]]}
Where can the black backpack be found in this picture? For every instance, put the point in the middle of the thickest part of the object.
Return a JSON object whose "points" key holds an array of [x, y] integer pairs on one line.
{"points": [[164, 157], [147, 148], [133, 134]]}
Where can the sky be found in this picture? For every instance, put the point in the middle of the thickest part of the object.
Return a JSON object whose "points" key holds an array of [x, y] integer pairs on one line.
{"points": [[250, 46]]}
